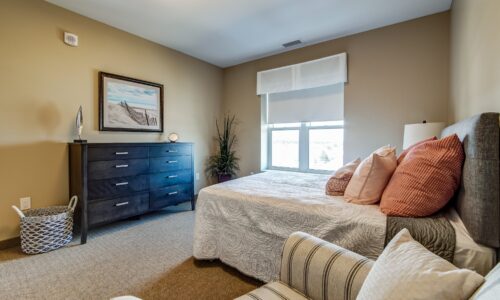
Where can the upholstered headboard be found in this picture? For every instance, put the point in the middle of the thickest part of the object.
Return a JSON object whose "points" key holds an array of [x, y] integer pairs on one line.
{"points": [[478, 200]]}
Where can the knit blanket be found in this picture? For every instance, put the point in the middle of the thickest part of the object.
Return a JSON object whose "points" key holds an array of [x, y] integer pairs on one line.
{"points": [[435, 233]]}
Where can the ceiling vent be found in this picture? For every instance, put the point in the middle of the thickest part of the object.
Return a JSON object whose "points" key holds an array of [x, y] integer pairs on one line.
{"points": [[292, 43]]}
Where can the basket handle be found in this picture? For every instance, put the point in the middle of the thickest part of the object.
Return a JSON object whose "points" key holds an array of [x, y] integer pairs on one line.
{"points": [[18, 211], [72, 203]]}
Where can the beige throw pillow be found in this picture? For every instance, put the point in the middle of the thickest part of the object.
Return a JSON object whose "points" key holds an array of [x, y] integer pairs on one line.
{"points": [[371, 177], [407, 270], [337, 184]]}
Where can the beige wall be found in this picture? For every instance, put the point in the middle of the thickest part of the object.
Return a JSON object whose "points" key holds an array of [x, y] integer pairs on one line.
{"points": [[475, 58], [398, 74], [43, 82]]}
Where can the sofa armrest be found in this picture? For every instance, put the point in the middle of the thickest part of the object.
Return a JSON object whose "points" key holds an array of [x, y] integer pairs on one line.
{"points": [[322, 270]]}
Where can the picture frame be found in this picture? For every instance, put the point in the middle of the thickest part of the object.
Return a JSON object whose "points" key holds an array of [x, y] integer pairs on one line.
{"points": [[129, 104]]}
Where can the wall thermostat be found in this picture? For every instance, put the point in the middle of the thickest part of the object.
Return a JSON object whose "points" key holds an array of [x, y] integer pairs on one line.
{"points": [[70, 39]]}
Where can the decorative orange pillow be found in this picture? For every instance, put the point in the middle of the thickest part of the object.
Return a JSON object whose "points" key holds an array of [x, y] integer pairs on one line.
{"points": [[425, 180], [370, 178], [338, 182], [405, 152]]}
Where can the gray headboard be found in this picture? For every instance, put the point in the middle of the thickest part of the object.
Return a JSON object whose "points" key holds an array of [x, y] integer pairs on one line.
{"points": [[478, 200]]}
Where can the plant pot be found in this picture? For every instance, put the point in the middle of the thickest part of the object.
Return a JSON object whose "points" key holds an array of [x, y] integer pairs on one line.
{"points": [[224, 177]]}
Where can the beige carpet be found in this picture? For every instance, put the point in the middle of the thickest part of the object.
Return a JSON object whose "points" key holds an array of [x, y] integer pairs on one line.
{"points": [[150, 258]]}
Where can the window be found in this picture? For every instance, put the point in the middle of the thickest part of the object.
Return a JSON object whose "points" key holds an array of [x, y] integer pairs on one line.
{"points": [[303, 115], [306, 146]]}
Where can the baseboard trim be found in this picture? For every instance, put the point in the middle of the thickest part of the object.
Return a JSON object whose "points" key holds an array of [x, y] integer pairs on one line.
{"points": [[10, 243]]}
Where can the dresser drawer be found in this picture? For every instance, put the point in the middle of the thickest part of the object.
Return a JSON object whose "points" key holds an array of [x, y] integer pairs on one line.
{"points": [[119, 208], [169, 150], [170, 163], [171, 195], [108, 188], [117, 168], [114, 153], [161, 180]]}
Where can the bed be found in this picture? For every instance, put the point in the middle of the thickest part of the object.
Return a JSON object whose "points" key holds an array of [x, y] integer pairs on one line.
{"points": [[244, 222]]}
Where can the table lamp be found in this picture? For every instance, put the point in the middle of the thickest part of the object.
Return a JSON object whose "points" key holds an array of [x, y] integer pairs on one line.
{"points": [[415, 133]]}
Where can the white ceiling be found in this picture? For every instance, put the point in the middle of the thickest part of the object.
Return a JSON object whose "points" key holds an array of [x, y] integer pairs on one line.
{"points": [[229, 32]]}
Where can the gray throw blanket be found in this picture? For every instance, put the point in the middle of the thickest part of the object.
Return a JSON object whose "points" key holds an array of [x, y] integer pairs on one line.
{"points": [[434, 232]]}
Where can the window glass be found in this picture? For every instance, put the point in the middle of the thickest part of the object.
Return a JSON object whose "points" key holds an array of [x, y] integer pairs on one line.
{"points": [[326, 148], [285, 148]]}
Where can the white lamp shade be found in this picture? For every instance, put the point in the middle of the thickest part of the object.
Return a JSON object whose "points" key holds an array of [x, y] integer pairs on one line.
{"points": [[415, 133]]}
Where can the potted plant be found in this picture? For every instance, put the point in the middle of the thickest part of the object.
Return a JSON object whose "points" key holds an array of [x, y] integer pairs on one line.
{"points": [[224, 164]]}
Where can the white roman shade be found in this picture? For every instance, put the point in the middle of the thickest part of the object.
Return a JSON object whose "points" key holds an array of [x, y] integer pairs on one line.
{"points": [[307, 105], [321, 72]]}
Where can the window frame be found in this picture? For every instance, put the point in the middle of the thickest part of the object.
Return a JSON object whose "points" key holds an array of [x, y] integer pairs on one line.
{"points": [[304, 130]]}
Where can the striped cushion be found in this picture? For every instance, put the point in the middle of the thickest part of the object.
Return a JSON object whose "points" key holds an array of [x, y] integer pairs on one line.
{"points": [[322, 270], [425, 180], [273, 291]]}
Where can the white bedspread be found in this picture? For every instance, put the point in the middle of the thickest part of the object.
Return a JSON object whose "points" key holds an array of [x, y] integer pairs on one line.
{"points": [[244, 222]]}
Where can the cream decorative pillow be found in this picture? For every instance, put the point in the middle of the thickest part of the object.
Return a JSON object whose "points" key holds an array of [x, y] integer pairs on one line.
{"points": [[371, 176], [337, 184], [407, 270]]}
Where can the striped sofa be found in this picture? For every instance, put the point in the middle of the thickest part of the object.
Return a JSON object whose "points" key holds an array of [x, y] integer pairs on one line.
{"points": [[312, 268], [315, 269]]}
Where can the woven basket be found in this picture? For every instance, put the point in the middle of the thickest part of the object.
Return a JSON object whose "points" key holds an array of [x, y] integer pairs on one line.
{"points": [[46, 229]]}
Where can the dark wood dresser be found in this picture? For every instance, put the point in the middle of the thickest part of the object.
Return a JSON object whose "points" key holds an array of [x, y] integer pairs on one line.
{"points": [[114, 181]]}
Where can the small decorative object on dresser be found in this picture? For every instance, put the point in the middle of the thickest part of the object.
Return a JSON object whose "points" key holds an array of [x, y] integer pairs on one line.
{"points": [[120, 180], [173, 137], [79, 126]]}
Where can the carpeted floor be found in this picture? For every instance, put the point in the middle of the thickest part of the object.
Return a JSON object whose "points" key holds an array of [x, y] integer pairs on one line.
{"points": [[149, 258]]}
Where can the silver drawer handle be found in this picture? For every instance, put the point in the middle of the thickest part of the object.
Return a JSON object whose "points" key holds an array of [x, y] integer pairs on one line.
{"points": [[172, 193], [171, 151], [171, 161], [121, 203], [173, 176], [121, 183], [121, 166], [121, 153]]}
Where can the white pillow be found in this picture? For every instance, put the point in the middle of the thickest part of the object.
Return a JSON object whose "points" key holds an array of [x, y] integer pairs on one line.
{"points": [[371, 177], [407, 270]]}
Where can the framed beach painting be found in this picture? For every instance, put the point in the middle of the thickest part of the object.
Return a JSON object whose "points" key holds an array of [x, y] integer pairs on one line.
{"points": [[128, 104]]}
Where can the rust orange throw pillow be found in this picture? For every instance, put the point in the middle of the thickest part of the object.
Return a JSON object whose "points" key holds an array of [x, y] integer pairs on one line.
{"points": [[405, 152], [426, 179]]}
